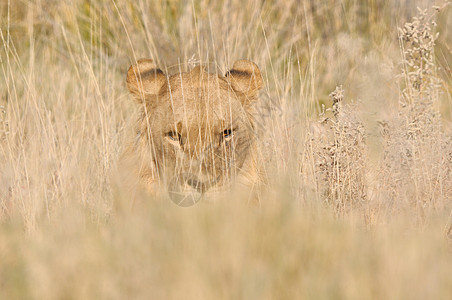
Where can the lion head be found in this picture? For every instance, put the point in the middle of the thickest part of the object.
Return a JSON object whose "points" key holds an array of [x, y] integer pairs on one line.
{"points": [[196, 130]]}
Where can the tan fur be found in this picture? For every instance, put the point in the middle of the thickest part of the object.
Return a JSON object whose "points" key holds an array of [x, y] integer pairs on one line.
{"points": [[196, 129]]}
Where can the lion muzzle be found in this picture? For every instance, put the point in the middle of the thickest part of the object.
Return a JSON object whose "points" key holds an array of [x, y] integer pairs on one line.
{"points": [[187, 189]]}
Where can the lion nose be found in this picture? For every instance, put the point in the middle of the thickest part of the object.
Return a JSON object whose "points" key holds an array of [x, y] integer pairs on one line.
{"points": [[198, 159], [196, 162]]}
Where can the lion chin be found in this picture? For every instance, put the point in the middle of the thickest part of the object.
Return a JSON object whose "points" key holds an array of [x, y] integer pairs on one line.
{"points": [[195, 137]]}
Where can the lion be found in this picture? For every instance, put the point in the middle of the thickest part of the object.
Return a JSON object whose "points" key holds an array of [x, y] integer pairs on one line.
{"points": [[196, 134]]}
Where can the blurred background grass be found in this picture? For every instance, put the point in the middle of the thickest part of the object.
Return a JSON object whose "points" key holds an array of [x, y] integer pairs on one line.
{"points": [[374, 228]]}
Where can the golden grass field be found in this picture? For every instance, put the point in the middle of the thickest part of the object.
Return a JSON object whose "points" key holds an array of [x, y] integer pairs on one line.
{"points": [[356, 116]]}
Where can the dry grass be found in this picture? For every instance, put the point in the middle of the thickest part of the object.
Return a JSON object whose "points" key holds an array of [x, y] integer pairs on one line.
{"points": [[360, 201]]}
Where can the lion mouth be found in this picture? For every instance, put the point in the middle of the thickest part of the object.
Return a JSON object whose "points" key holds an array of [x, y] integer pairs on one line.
{"points": [[186, 189], [200, 186]]}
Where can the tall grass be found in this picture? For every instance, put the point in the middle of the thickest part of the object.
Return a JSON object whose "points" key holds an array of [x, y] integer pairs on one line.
{"points": [[359, 200]]}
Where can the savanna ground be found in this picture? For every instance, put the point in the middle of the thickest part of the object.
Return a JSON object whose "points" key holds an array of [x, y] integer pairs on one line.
{"points": [[356, 116]]}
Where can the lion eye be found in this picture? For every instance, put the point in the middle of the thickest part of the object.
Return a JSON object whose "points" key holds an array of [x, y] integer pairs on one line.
{"points": [[227, 134], [174, 136]]}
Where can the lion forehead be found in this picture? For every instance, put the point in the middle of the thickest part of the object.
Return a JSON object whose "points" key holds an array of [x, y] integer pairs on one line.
{"points": [[208, 120], [197, 105]]}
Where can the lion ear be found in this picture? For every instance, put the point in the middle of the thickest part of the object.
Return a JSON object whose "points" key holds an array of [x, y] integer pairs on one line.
{"points": [[246, 79], [144, 79]]}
